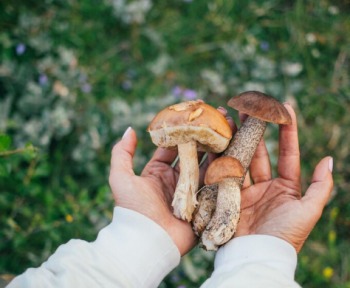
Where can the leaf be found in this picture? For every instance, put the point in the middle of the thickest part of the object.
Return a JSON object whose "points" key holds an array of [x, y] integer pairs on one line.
{"points": [[5, 142]]}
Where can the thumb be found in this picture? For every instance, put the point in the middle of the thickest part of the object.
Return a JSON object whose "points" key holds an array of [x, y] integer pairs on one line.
{"points": [[123, 153], [318, 193]]}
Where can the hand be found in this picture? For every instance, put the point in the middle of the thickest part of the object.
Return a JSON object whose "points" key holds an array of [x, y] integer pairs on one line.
{"points": [[275, 206], [151, 193]]}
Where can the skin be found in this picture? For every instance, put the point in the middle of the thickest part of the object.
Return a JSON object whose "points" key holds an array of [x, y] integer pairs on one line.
{"points": [[269, 206], [152, 192], [276, 206]]}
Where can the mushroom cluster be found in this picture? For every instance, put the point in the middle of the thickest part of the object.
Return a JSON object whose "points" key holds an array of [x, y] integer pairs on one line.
{"points": [[194, 126]]}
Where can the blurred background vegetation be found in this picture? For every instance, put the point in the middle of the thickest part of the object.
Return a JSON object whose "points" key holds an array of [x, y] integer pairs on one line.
{"points": [[75, 74]]}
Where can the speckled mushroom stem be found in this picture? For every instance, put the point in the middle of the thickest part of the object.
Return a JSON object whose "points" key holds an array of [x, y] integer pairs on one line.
{"points": [[222, 226], [207, 200], [243, 145], [224, 221], [185, 201]]}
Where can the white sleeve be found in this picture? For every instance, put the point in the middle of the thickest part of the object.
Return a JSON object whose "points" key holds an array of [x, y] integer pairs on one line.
{"points": [[132, 251], [254, 261]]}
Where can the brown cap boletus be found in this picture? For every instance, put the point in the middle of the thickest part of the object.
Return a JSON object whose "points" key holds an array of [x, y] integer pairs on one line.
{"points": [[260, 108], [189, 126], [222, 168]]}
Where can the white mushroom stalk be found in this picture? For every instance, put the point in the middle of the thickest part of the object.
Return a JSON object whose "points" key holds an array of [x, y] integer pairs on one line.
{"points": [[185, 201]]}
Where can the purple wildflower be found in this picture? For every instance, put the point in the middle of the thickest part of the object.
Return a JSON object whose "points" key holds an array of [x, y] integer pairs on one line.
{"points": [[175, 278], [127, 85], [86, 88], [177, 91], [82, 78], [20, 49], [190, 94], [264, 45], [43, 79]]}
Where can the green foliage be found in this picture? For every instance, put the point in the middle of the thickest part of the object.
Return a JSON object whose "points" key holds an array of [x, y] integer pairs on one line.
{"points": [[75, 74]]}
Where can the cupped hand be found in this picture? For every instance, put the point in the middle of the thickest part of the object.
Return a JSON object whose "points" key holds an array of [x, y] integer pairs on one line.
{"points": [[152, 192], [276, 206]]}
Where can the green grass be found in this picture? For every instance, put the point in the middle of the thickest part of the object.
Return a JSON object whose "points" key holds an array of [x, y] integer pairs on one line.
{"points": [[89, 70]]}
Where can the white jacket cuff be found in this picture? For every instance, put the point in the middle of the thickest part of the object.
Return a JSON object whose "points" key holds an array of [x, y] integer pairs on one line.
{"points": [[142, 248], [257, 249]]}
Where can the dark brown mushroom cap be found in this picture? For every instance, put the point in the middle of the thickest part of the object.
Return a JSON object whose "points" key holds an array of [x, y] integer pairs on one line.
{"points": [[222, 168], [261, 106]]}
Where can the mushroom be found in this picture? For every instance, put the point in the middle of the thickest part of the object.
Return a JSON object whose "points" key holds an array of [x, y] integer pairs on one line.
{"points": [[260, 109], [221, 170], [189, 126]]}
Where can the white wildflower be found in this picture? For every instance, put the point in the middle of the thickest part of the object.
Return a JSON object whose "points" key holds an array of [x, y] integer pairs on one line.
{"points": [[253, 86], [265, 68], [215, 81], [133, 12], [160, 65], [310, 38], [315, 53], [333, 10], [292, 68]]}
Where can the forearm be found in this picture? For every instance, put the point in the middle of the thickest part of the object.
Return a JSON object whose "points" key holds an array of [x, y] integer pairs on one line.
{"points": [[132, 251], [254, 261]]}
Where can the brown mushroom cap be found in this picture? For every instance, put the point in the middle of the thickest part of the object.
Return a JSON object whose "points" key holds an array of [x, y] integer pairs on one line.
{"points": [[221, 168], [191, 120], [261, 106]]}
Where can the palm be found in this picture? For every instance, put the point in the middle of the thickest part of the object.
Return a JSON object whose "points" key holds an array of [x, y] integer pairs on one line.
{"points": [[151, 195], [266, 209], [275, 206]]}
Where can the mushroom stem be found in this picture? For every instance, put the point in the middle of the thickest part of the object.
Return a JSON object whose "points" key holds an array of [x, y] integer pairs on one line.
{"points": [[185, 201], [222, 226], [226, 215], [246, 140], [207, 201]]}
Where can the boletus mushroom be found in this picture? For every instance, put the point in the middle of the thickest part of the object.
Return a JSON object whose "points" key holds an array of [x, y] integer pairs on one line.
{"points": [[260, 108], [190, 126], [221, 170]]}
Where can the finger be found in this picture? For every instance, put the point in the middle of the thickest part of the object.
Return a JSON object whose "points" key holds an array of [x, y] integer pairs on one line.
{"points": [[165, 156], [247, 181], [232, 124], [204, 166], [123, 153], [318, 193], [242, 117], [289, 156], [222, 110], [260, 167]]}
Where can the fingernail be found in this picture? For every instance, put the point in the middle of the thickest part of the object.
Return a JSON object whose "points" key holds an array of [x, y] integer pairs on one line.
{"points": [[330, 164], [126, 132], [222, 109]]}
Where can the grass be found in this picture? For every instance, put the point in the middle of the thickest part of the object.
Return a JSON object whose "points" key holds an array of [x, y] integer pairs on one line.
{"points": [[107, 67]]}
